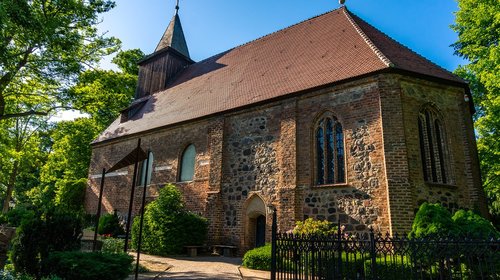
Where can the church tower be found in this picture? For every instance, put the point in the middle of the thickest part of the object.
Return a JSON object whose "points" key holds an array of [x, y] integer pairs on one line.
{"points": [[170, 57]]}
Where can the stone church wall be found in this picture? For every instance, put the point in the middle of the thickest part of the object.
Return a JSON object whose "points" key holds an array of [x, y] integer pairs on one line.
{"points": [[250, 165], [463, 190], [360, 202], [268, 151], [167, 147]]}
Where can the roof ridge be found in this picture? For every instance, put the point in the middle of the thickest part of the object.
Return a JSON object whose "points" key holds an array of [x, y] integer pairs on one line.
{"points": [[369, 42], [405, 46], [267, 35]]}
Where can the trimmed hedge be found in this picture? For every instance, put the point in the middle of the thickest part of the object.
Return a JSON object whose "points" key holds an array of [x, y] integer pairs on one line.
{"points": [[258, 258], [77, 265]]}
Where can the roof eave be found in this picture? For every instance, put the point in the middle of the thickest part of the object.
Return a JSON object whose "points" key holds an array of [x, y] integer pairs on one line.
{"points": [[166, 49]]}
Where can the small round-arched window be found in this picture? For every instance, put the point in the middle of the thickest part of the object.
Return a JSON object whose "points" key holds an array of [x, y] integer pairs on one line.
{"points": [[187, 164]]}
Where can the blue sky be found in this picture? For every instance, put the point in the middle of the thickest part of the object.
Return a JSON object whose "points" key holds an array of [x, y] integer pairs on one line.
{"points": [[213, 26]]}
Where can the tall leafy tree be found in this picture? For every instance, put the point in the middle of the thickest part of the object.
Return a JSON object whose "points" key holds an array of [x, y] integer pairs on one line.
{"points": [[102, 94], [44, 45], [21, 148], [478, 28]]}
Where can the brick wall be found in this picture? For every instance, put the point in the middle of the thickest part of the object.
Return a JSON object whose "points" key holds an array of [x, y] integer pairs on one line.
{"points": [[268, 151], [464, 187], [361, 201]]}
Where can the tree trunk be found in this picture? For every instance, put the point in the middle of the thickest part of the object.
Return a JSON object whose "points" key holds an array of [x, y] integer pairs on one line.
{"points": [[10, 186]]}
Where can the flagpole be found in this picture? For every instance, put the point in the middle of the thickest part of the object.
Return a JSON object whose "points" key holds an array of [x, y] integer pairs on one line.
{"points": [[98, 215], [131, 203], [142, 216]]}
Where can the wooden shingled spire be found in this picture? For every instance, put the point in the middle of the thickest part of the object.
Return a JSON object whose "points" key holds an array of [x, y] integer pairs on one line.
{"points": [[174, 36]]}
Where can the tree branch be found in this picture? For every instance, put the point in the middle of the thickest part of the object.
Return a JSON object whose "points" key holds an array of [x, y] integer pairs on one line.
{"points": [[33, 113]]}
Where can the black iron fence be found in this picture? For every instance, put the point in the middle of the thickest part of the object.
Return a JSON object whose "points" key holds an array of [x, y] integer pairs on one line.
{"points": [[372, 256]]}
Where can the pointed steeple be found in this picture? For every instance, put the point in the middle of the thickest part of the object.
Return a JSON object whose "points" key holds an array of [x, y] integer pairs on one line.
{"points": [[174, 36]]}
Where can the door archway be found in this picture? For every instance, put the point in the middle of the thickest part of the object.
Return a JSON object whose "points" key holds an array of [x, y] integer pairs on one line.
{"points": [[255, 222]]}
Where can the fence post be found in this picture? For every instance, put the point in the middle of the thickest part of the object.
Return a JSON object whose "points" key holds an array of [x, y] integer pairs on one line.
{"points": [[339, 258], [373, 255], [274, 231]]}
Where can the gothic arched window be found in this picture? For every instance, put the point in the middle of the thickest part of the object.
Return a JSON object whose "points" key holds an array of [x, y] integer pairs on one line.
{"points": [[329, 147], [187, 164], [432, 147]]}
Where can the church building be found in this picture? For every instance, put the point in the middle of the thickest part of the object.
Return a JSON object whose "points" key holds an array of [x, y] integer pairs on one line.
{"points": [[329, 118]]}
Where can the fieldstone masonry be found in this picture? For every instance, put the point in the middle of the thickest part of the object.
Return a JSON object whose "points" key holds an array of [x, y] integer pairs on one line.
{"points": [[267, 152]]}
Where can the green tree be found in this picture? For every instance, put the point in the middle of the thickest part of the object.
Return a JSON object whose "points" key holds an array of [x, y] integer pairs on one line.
{"points": [[61, 156], [20, 146], [478, 27], [104, 93], [44, 45]]}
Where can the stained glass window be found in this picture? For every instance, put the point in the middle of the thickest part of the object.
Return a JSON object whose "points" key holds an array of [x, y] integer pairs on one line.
{"points": [[329, 145]]}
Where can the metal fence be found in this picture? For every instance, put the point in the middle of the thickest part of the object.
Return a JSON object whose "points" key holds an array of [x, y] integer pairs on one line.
{"points": [[372, 256]]}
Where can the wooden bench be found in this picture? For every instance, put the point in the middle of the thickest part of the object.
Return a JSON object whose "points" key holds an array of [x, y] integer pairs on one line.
{"points": [[227, 250], [192, 251]]}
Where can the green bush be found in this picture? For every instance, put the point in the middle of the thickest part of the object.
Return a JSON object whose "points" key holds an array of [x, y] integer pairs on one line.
{"points": [[52, 230], [168, 227], [433, 220], [88, 266], [17, 215], [109, 224], [113, 245], [258, 258], [314, 227], [473, 225]]}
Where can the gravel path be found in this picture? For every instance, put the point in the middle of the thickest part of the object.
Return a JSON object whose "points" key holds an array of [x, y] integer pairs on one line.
{"points": [[201, 267]]}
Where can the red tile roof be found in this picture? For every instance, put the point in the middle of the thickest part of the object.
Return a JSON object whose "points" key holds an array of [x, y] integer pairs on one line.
{"points": [[322, 50]]}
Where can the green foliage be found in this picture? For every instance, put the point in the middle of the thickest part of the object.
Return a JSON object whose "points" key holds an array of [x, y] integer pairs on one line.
{"points": [[70, 156], [52, 230], [104, 93], [43, 46], [433, 220], [258, 258], [127, 61], [70, 194], [40, 160], [17, 215], [7, 275], [168, 227], [113, 245], [109, 224], [478, 27], [88, 266], [314, 227], [472, 225]]}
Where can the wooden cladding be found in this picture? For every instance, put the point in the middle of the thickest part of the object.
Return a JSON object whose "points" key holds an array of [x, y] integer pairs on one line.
{"points": [[156, 71]]}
